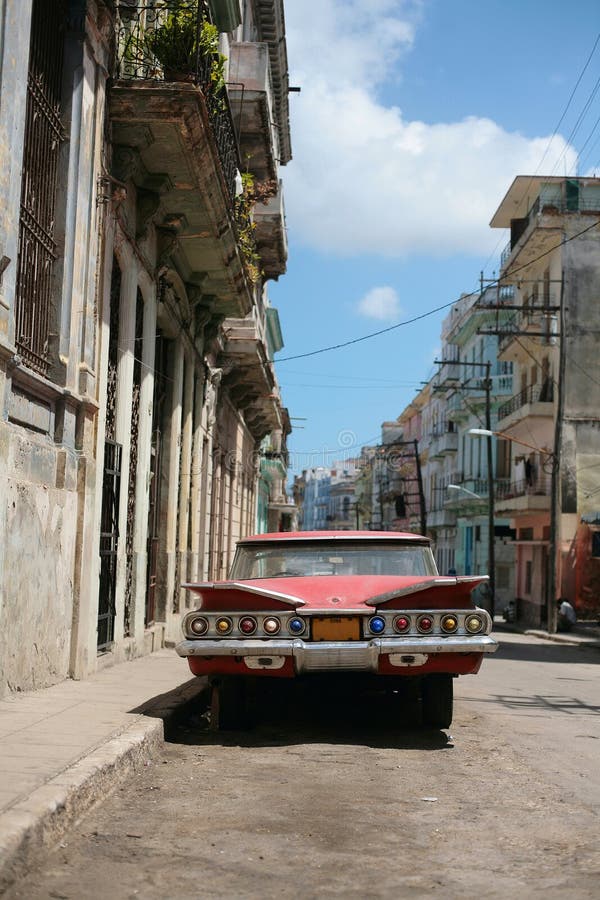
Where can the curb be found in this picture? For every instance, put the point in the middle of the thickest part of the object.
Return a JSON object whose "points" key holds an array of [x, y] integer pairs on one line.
{"points": [[35, 824], [571, 641]]}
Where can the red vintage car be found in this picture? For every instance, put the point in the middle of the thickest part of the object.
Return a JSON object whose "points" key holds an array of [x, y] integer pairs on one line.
{"points": [[307, 603]]}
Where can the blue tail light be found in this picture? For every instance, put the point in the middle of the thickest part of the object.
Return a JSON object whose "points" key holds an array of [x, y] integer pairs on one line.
{"points": [[376, 624], [296, 626]]}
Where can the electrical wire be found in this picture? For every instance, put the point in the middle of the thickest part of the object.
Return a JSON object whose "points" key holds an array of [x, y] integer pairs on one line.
{"points": [[367, 337], [554, 133], [577, 125], [431, 312], [349, 387], [569, 101]]}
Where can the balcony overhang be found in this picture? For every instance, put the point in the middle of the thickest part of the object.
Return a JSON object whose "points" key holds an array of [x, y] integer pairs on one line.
{"points": [[271, 235], [166, 125], [251, 99], [271, 21], [519, 198], [249, 378], [541, 236], [273, 468], [537, 410], [443, 444], [522, 505], [283, 506], [441, 518]]}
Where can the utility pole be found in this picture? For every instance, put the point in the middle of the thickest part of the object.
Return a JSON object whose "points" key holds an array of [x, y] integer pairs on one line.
{"points": [[422, 507], [546, 311], [553, 543], [490, 479]]}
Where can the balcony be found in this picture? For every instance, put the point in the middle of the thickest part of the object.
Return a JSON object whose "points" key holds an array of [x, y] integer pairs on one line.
{"points": [[270, 235], [463, 500], [249, 379], [444, 439], [524, 496], [174, 138], [536, 229], [448, 375], [501, 385], [441, 518], [474, 311], [282, 504], [535, 400], [456, 408], [251, 97]]}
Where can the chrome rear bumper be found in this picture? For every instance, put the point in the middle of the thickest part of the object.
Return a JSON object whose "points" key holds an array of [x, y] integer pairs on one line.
{"points": [[318, 656]]}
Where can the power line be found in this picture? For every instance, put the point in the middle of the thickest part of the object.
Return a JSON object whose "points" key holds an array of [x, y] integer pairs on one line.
{"points": [[366, 337], [344, 377], [578, 123], [554, 133], [569, 101], [351, 387], [431, 312]]}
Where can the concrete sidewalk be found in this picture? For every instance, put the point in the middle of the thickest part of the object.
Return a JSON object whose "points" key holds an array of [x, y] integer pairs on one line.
{"points": [[63, 747], [584, 634]]}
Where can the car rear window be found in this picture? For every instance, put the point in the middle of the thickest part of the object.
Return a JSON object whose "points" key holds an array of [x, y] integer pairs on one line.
{"points": [[272, 560]]}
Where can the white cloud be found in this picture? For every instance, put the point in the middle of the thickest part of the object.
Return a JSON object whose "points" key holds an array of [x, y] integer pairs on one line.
{"points": [[380, 303], [363, 178]]}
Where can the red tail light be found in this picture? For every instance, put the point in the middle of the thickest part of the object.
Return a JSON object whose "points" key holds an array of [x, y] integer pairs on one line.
{"points": [[424, 623]]}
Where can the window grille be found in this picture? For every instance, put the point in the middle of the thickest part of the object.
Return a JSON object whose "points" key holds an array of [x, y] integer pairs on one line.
{"points": [[44, 134]]}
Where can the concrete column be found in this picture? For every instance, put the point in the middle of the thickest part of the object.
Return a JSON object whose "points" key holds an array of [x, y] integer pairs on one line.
{"points": [[142, 486], [203, 516], [84, 635], [125, 366], [198, 470], [93, 117], [74, 216], [186, 477], [173, 488]]}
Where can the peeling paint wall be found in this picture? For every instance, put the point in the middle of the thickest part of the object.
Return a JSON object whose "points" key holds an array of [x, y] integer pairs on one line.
{"points": [[48, 551], [41, 534]]}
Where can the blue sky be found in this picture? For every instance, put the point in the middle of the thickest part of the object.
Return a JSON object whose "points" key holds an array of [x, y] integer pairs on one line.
{"points": [[413, 119]]}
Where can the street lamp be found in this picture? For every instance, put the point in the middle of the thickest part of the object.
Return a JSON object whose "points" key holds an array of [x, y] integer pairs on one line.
{"points": [[552, 543], [487, 432]]}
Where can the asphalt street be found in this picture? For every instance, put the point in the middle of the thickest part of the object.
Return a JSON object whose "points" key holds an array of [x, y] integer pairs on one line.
{"points": [[344, 796]]}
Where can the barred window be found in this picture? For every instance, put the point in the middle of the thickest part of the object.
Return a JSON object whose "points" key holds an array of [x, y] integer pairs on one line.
{"points": [[44, 134]]}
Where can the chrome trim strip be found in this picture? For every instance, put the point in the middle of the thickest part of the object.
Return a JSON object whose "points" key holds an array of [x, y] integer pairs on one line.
{"points": [[435, 582], [248, 588]]}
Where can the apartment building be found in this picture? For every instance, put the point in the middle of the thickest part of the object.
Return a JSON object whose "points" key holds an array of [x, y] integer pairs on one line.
{"points": [[141, 216], [471, 384], [552, 420]]}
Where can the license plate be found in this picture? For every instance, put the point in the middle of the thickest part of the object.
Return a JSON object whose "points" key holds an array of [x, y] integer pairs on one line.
{"points": [[336, 628]]}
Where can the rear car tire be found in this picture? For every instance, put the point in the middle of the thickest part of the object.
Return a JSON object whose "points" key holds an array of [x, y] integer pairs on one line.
{"points": [[229, 703], [437, 695]]}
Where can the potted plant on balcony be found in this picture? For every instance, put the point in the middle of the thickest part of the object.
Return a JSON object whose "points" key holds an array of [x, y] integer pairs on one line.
{"points": [[177, 41]]}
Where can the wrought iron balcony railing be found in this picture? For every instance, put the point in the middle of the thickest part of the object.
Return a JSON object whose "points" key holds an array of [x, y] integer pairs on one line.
{"points": [[535, 393], [176, 41], [539, 485]]}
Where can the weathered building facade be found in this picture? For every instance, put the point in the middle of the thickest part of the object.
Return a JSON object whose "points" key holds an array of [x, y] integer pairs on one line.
{"points": [[141, 216], [470, 385], [553, 420]]}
